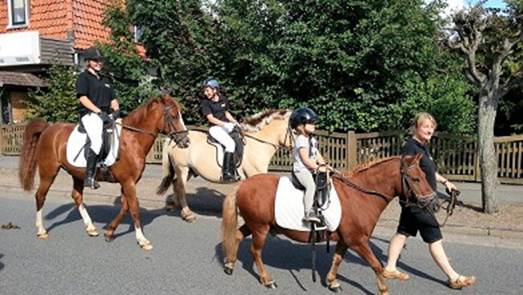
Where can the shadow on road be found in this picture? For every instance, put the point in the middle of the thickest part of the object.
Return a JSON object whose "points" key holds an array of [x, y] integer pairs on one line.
{"points": [[100, 214], [284, 254], [205, 201], [1, 264]]}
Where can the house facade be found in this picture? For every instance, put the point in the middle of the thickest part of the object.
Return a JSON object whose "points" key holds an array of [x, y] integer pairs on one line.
{"points": [[36, 34]]}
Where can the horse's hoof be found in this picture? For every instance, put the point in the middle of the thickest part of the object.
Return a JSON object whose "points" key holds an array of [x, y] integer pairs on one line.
{"points": [[108, 238], [42, 236], [271, 285], [190, 219], [336, 289], [92, 233], [147, 246], [228, 270]]}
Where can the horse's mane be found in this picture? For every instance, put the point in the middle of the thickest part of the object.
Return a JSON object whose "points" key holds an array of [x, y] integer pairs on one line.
{"points": [[364, 166], [256, 122], [141, 113]]}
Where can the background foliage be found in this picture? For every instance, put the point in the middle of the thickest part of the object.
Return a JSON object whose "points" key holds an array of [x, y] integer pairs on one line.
{"points": [[58, 102], [362, 65]]}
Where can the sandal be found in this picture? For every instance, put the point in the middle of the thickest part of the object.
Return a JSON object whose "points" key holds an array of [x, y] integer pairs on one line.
{"points": [[395, 275], [462, 281]]}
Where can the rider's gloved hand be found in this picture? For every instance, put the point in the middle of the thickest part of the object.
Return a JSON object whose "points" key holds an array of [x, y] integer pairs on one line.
{"points": [[238, 125], [104, 116], [115, 115]]}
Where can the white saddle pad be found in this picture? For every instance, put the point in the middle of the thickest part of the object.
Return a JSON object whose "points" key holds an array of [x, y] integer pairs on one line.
{"points": [[290, 209], [219, 152], [75, 147]]}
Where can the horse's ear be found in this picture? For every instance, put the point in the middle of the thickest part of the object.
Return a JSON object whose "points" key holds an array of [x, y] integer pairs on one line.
{"points": [[418, 157]]}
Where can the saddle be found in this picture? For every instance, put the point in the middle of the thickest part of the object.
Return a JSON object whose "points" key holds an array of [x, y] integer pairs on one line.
{"points": [[107, 139], [220, 149], [289, 208], [78, 144], [321, 196]]}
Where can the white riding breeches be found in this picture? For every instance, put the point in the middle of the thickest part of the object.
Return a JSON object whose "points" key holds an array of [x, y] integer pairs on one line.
{"points": [[222, 136], [93, 125]]}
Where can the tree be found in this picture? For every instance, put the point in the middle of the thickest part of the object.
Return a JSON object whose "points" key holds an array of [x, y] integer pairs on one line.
{"points": [[492, 43], [60, 92], [365, 65]]}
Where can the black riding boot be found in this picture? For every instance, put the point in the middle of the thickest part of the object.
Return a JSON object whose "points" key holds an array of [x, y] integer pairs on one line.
{"points": [[90, 171], [228, 168]]}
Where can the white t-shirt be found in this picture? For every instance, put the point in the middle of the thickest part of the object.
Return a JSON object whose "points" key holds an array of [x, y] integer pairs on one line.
{"points": [[303, 142]]}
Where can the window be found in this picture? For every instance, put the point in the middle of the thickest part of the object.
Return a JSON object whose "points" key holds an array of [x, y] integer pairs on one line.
{"points": [[18, 13]]}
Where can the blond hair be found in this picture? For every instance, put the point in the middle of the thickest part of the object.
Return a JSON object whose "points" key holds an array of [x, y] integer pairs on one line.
{"points": [[419, 118]]}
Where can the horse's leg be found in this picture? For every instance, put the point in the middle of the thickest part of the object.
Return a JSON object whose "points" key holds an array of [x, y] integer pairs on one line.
{"points": [[47, 176], [77, 195], [258, 241], [111, 228], [179, 190], [129, 192], [231, 258], [332, 283], [363, 249]]}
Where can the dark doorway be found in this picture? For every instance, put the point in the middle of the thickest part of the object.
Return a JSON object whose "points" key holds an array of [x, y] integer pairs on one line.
{"points": [[5, 105]]}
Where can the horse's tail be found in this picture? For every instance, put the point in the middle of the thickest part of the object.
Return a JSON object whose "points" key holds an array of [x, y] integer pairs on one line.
{"points": [[27, 165], [230, 241], [167, 171]]}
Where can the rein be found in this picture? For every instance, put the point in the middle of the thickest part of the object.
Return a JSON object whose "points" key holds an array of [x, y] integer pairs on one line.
{"points": [[338, 175], [260, 140], [137, 129], [169, 121], [287, 134]]}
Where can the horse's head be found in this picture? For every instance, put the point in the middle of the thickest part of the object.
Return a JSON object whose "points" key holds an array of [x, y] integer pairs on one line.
{"points": [[413, 179], [172, 124], [271, 126]]}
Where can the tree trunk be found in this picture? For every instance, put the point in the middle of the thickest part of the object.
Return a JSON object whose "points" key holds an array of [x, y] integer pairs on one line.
{"points": [[487, 154]]}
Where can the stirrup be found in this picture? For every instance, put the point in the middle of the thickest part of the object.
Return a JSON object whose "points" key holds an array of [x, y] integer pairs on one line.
{"points": [[227, 178], [90, 182], [311, 217]]}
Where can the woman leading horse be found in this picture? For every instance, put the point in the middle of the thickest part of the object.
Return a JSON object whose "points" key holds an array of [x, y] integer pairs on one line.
{"points": [[362, 197], [45, 147]]}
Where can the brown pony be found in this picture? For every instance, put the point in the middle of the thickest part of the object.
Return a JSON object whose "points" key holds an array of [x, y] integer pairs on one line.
{"points": [[363, 195], [45, 146]]}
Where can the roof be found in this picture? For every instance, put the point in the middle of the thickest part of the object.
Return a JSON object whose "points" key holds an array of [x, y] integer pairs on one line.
{"points": [[20, 79], [88, 26], [58, 19], [52, 18]]}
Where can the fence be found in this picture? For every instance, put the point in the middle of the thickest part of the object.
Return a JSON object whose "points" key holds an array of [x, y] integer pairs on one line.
{"points": [[456, 156]]}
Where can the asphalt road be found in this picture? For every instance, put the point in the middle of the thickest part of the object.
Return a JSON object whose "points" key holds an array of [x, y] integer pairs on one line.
{"points": [[186, 259]]}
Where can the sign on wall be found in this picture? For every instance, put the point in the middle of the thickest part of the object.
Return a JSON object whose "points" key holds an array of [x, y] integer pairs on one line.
{"points": [[20, 48]]}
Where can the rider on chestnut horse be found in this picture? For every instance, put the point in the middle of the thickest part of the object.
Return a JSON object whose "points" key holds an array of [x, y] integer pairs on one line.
{"points": [[97, 98]]}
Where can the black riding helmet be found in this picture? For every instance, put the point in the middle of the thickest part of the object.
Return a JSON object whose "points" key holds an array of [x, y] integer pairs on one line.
{"points": [[302, 116], [93, 53]]}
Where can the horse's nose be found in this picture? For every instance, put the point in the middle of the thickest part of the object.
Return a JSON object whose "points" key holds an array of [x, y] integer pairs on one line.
{"points": [[185, 142]]}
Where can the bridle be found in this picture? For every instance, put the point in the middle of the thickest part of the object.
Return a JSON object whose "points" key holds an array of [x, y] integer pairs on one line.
{"points": [[169, 121], [406, 188]]}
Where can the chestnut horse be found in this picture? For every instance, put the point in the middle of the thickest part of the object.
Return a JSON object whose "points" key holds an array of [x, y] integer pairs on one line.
{"points": [[45, 146], [363, 195], [264, 133]]}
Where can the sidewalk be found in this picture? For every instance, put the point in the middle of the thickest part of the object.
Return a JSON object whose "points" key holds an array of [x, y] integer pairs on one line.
{"points": [[205, 199]]}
